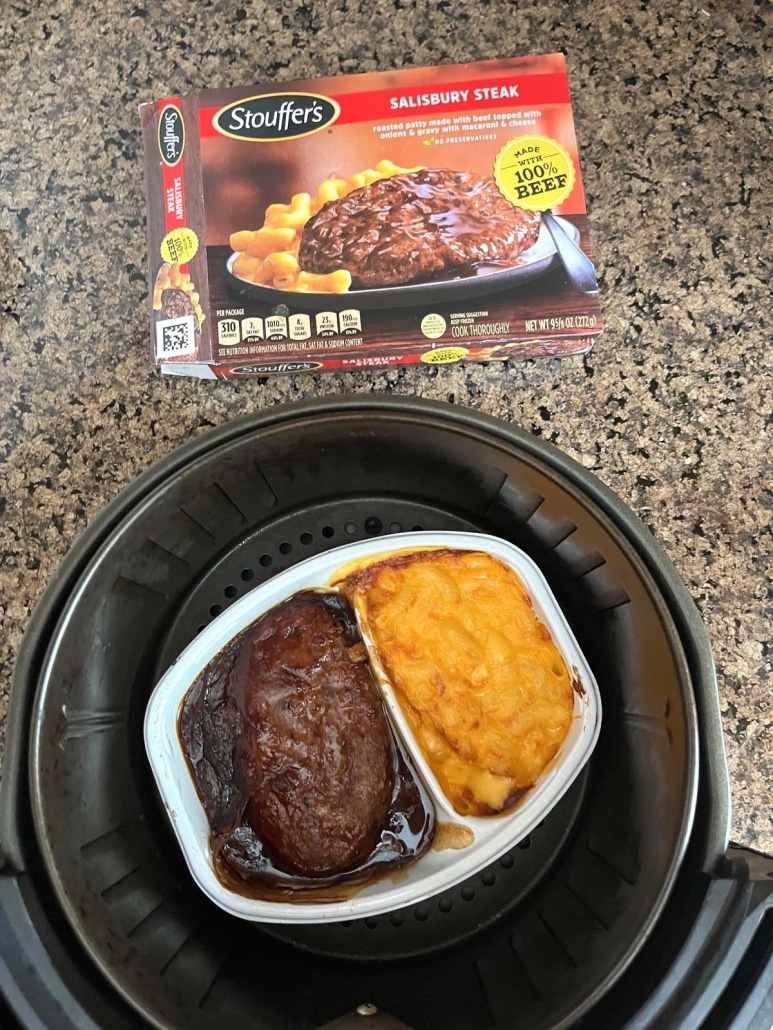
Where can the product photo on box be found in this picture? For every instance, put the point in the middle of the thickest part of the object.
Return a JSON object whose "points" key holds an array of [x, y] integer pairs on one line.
{"points": [[427, 215]]}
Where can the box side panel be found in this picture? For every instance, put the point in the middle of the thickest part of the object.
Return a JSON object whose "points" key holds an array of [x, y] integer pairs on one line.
{"points": [[178, 287]]}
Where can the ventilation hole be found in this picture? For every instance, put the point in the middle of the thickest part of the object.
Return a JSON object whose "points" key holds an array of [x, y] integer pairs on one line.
{"points": [[199, 630], [667, 708], [247, 575], [417, 529], [230, 591], [285, 548], [265, 560], [394, 527], [373, 525], [306, 539], [468, 893], [445, 904], [488, 879], [371, 922], [506, 861], [524, 844], [421, 914], [216, 609], [346, 923], [327, 532], [350, 528], [397, 919]]}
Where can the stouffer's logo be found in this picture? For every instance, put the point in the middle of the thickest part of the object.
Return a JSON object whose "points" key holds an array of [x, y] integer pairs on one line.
{"points": [[276, 367], [276, 116], [171, 135]]}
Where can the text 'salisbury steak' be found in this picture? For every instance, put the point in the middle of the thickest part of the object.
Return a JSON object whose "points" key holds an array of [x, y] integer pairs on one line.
{"points": [[407, 227]]}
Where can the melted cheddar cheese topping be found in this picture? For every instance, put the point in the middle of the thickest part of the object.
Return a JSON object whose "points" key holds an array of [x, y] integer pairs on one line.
{"points": [[483, 686]]}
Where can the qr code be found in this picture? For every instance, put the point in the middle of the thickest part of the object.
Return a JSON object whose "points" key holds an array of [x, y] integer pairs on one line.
{"points": [[176, 337]]}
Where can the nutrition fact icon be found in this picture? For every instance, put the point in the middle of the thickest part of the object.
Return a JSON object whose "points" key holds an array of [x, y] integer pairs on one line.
{"points": [[228, 332], [299, 327]]}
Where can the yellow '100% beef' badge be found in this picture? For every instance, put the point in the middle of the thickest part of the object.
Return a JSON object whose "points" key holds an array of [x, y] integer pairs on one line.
{"points": [[534, 172], [179, 246]]}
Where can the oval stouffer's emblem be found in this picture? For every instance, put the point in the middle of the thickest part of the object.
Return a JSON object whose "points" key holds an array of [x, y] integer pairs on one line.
{"points": [[171, 135], [276, 367], [276, 116]]}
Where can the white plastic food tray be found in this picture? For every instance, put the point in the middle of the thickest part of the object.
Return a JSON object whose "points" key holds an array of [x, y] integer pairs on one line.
{"points": [[436, 870]]}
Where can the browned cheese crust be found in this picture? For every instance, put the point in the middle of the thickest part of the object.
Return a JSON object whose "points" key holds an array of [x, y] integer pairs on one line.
{"points": [[480, 680]]}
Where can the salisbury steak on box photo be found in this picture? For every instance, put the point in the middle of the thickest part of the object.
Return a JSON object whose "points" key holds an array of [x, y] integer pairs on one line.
{"points": [[409, 227]]}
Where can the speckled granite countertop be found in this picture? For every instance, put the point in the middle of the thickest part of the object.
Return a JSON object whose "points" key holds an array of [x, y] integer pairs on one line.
{"points": [[674, 114]]}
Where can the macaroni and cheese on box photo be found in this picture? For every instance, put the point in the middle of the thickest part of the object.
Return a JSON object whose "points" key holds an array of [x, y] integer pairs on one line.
{"points": [[424, 215]]}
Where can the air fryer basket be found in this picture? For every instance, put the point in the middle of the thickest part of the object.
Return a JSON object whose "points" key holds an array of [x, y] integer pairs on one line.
{"points": [[533, 941]]}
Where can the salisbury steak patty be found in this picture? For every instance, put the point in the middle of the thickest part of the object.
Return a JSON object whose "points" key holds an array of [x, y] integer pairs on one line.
{"points": [[287, 737], [410, 226]]}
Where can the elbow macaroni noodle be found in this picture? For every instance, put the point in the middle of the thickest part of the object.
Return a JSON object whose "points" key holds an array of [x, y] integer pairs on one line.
{"points": [[269, 256]]}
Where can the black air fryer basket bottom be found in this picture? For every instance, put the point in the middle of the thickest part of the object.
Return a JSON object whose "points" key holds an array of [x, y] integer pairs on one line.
{"points": [[536, 940]]}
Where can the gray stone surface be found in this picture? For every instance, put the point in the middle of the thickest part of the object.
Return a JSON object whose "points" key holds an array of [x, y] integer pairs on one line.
{"points": [[673, 408]]}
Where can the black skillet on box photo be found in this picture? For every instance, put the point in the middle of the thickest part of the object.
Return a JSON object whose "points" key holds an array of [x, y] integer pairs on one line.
{"points": [[624, 908], [477, 280]]}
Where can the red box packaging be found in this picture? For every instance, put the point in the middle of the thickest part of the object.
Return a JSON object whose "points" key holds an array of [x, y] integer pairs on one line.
{"points": [[425, 215]]}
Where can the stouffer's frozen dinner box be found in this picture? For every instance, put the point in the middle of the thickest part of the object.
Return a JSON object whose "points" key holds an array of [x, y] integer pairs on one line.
{"points": [[424, 215]]}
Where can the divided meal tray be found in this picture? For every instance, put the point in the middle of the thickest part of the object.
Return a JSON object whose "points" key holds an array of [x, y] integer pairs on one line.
{"points": [[440, 867]]}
